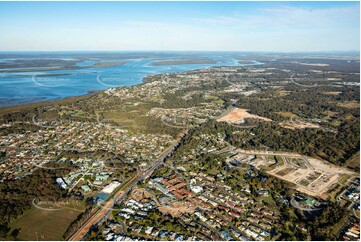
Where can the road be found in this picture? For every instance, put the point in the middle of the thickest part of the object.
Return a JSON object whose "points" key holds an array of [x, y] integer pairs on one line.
{"points": [[96, 217], [104, 211]]}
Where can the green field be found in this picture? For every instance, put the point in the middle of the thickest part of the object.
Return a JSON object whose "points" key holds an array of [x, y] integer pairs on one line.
{"points": [[39, 224]]}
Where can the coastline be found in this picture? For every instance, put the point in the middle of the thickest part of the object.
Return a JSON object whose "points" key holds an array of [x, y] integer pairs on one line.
{"points": [[90, 93], [25, 106], [22, 107], [65, 100]]}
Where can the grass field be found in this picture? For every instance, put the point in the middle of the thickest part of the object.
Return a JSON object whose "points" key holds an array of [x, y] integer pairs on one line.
{"points": [[39, 224], [271, 203], [343, 179], [134, 120]]}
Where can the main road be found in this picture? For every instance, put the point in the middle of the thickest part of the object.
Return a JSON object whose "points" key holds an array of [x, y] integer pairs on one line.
{"points": [[103, 212]]}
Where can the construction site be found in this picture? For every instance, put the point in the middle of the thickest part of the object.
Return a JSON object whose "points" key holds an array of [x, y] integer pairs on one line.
{"points": [[311, 176]]}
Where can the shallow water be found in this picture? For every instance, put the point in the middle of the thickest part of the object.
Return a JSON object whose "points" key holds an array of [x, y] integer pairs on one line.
{"points": [[29, 87]]}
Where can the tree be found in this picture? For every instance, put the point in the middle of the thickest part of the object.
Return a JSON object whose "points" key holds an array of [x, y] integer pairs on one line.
{"points": [[4, 230], [15, 233]]}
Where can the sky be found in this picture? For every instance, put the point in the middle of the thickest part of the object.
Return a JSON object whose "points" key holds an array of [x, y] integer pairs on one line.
{"points": [[179, 26]]}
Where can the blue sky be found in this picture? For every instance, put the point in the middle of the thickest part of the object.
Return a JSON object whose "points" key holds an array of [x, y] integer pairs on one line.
{"points": [[214, 26]]}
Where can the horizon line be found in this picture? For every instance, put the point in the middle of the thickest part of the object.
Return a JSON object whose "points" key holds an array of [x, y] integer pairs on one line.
{"points": [[269, 51]]}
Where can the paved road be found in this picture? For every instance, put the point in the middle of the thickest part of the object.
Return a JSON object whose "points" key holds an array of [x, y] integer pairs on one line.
{"points": [[96, 217], [103, 212]]}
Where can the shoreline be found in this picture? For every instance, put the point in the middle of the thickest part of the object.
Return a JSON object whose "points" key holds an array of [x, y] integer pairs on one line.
{"points": [[22, 107], [26, 106]]}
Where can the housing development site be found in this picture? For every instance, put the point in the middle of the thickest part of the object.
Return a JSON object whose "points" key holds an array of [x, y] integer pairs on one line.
{"points": [[311, 176]]}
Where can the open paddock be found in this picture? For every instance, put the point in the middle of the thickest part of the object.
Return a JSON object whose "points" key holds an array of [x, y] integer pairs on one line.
{"points": [[39, 224]]}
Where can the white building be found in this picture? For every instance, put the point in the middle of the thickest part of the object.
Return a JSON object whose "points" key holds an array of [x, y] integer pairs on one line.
{"points": [[196, 189], [149, 230], [61, 183], [111, 187]]}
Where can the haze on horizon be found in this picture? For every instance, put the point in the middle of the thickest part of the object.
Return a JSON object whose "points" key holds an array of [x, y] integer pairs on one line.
{"points": [[175, 26]]}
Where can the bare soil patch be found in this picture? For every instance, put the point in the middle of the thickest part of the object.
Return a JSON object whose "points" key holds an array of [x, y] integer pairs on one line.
{"points": [[331, 93], [298, 125], [351, 104], [287, 114], [238, 115], [311, 176], [178, 208]]}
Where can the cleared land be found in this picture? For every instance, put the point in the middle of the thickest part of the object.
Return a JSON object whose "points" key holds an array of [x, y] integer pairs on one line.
{"points": [[311, 176], [331, 93], [238, 115], [39, 224], [298, 125], [287, 114], [178, 208], [141, 193], [351, 104]]}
